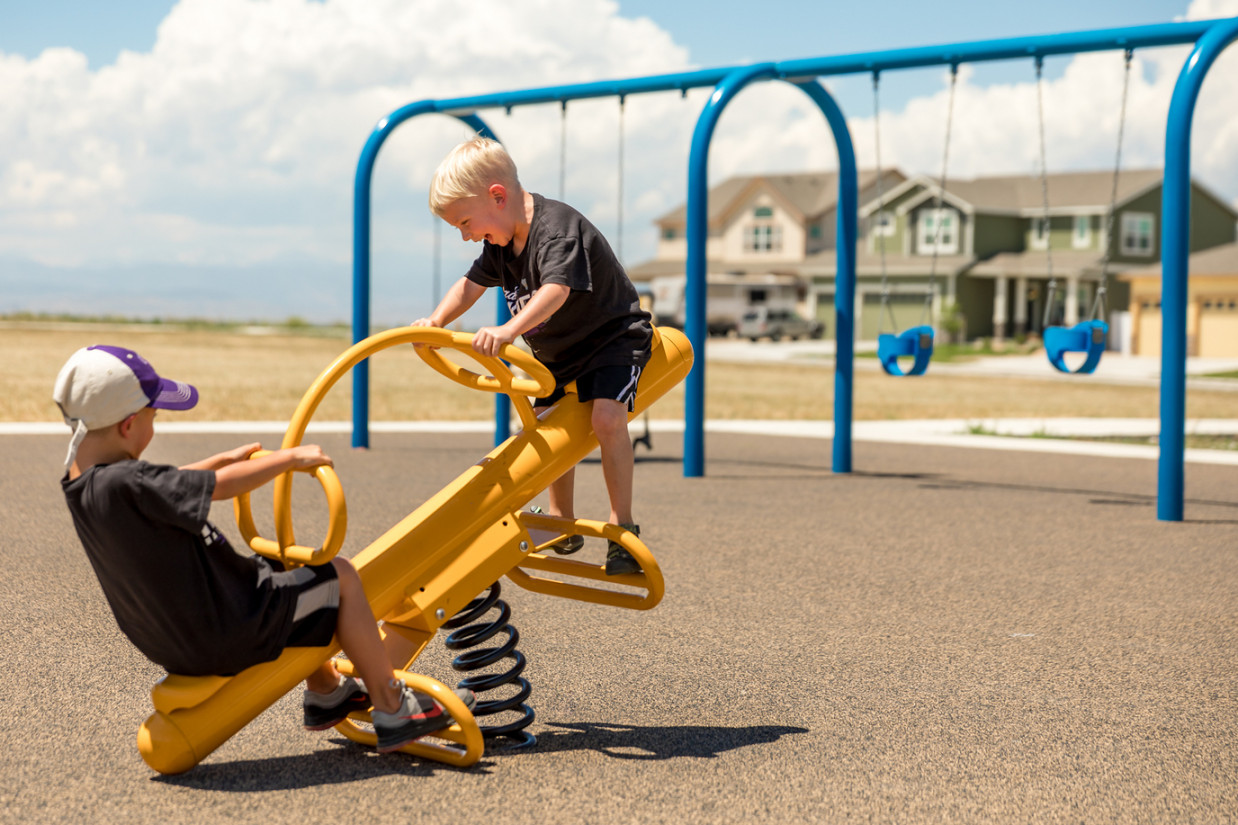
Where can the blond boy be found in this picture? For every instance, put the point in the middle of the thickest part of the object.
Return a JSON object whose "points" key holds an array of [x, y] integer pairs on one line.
{"points": [[569, 298]]}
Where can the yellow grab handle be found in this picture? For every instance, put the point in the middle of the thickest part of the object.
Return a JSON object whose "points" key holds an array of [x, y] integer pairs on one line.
{"points": [[650, 577], [285, 549], [501, 379]]}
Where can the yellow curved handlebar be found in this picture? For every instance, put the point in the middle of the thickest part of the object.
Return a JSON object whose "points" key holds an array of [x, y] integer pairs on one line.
{"points": [[285, 549], [540, 382]]}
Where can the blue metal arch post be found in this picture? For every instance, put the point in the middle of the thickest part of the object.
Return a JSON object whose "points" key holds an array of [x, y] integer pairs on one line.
{"points": [[1210, 37], [1175, 246], [361, 255], [696, 326]]}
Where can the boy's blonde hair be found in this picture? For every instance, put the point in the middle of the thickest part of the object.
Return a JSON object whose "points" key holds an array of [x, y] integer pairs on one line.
{"points": [[469, 170]]}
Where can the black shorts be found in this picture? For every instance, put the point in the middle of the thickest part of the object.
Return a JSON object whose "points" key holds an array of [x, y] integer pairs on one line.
{"points": [[317, 591], [615, 382]]}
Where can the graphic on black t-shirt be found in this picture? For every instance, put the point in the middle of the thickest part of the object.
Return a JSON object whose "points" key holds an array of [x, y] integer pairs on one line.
{"points": [[601, 323]]}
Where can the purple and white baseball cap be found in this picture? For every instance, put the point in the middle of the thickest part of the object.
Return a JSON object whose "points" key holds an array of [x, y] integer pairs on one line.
{"points": [[100, 386]]}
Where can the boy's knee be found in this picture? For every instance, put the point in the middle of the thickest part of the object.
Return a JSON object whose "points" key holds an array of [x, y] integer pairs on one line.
{"points": [[609, 417], [346, 573]]}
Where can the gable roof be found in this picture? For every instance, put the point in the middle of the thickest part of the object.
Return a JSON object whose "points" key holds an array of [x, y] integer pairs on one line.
{"points": [[812, 193], [1217, 260], [1073, 192]]}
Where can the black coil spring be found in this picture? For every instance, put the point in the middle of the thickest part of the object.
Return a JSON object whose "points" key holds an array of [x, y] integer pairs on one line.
{"points": [[467, 638]]}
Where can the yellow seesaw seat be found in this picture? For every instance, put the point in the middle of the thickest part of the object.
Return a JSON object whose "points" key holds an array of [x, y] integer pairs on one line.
{"points": [[427, 567]]}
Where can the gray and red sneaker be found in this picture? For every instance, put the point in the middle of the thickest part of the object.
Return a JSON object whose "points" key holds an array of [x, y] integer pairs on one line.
{"points": [[418, 715]]}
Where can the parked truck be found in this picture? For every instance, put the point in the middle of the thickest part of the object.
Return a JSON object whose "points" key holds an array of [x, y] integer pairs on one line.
{"points": [[727, 298]]}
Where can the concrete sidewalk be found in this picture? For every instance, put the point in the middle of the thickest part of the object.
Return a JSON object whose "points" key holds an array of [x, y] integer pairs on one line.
{"points": [[1040, 435], [1113, 368]]}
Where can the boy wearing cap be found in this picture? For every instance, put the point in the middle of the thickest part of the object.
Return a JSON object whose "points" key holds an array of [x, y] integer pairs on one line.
{"points": [[178, 590]]}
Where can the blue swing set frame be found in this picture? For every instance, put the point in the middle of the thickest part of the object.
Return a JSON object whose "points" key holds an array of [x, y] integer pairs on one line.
{"points": [[1209, 39]]}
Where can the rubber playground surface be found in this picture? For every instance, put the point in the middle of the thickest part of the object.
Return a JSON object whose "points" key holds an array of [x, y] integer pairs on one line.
{"points": [[943, 635]]}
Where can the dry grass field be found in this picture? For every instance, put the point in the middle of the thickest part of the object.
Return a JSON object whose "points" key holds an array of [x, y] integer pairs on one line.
{"points": [[261, 377]]}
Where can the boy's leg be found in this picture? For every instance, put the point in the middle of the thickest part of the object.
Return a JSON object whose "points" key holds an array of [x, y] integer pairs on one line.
{"points": [[562, 491], [610, 424], [357, 631]]}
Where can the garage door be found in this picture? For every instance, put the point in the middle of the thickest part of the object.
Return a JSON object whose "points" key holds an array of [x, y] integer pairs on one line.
{"points": [[908, 311], [1149, 343], [1218, 328]]}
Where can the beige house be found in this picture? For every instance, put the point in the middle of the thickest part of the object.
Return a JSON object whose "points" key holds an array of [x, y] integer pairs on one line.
{"points": [[1212, 305], [761, 227]]}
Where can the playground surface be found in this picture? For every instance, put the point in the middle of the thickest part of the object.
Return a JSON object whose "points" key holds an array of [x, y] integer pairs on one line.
{"points": [[943, 635]]}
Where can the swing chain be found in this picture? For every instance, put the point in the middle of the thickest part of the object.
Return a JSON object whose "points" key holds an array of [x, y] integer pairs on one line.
{"points": [[1099, 308], [619, 234], [562, 149], [941, 196], [1051, 298], [878, 227]]}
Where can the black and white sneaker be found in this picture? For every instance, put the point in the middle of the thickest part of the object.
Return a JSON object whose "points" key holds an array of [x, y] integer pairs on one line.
{"points": [[326, 710]]}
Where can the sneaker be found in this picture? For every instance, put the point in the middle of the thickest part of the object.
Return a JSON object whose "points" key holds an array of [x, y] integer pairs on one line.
{"points": [[326, 710], [567, 545], [418, 715], [618, 560]]}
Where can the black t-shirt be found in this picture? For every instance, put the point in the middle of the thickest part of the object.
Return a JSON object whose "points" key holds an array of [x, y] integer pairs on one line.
{"points": [[601, 323], [179, 591]]}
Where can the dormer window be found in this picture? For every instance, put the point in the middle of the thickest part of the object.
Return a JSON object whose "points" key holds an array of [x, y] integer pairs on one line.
{"points": [[1081, 237], [939, 230], [762, 235], [1137, 229], [883, 224], [1040, 233]]}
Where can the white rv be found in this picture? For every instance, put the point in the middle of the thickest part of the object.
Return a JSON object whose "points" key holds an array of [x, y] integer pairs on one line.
{"points": [[727, 298]]}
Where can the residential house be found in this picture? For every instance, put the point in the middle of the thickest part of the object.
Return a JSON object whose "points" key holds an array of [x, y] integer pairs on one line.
{"points": [[980, 255], [1211, 308], [760, 227]]}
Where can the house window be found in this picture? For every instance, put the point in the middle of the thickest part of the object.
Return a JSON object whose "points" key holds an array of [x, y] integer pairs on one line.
{"points": [[1040, 233], [668, 234], [763, 237], [815, 231], [1137, 228], [763, 212], [946, 239], [883, 223], [1081, 238]]}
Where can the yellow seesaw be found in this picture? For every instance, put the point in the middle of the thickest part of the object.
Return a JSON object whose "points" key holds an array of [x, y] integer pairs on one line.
{"points": [[426, 568]]}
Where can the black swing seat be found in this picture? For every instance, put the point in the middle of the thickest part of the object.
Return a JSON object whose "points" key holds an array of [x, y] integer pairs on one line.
{"points": [[1087, 337], [916, 342]]}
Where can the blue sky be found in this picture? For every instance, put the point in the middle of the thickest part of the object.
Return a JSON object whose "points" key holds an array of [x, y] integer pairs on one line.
{"points": [[717, 32], [209, 170]]}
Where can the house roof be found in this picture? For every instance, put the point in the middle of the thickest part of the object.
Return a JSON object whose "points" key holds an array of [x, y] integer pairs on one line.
{"points": [[812, 193], [1022, 194], [1032, 263], [1219, 260]]}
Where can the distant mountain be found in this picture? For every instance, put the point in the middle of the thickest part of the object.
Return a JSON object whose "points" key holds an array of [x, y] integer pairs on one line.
{"points": [[315, 292]]}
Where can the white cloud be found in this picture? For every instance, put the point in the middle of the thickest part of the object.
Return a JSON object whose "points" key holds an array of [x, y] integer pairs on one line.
{"points": [[236, 138]]}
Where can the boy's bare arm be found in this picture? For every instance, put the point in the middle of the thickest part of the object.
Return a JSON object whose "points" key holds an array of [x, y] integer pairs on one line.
{"points": [[243, 476], [544, 303], [224, 459]]}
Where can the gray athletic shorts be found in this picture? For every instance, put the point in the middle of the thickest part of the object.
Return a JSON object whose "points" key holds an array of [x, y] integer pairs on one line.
{"points": [[318, 603]]}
